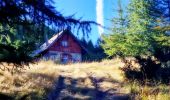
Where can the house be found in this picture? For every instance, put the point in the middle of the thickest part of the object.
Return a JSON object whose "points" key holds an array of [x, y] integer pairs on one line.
{"points": [[63, 47]]}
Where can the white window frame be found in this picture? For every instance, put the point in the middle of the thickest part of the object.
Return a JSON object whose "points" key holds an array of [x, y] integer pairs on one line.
{"points": [[64, 43]]}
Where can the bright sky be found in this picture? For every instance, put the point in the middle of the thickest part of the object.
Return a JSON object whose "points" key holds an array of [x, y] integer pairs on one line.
{"points": [[91, 10]]}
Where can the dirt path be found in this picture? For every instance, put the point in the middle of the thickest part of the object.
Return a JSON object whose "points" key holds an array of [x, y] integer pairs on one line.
{"points": [[77, 84]]}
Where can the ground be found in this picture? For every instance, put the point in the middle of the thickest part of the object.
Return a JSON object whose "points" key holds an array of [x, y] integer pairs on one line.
{"points": [[81, 81]]}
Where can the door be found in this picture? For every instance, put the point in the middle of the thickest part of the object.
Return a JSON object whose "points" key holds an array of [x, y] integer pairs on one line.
{"points": [[66, 58]]}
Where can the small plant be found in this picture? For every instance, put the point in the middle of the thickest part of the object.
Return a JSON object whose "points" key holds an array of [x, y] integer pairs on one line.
{"points": [[15, 52], [152, 91]]}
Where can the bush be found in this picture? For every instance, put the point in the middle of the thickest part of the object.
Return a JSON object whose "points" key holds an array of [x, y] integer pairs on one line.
{"points": [[16, 52], [149, 69]]}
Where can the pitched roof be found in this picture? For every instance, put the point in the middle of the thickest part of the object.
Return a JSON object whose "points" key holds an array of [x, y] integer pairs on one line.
{"points": [[51, 41]]}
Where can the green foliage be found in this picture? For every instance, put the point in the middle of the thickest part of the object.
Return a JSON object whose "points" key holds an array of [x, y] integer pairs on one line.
{"points": [[138, 37], [134, 44], [144, 38], [13, 49], [114, 44], [94, 53], [24, 23], [17, 53]]}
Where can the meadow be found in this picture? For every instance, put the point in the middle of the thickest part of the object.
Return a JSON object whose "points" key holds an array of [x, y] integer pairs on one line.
{"points": [[83, 81]]}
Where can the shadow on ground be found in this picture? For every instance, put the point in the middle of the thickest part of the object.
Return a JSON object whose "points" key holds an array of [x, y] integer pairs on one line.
{"points": [[71, 88], [5, 97], [67, 88]]}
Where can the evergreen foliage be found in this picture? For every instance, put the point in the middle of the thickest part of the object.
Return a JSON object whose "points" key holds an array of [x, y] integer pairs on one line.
{"points": [[13, 49], [42, 12], [26, 23], [94, 53], [144, 37], [139, 36]]}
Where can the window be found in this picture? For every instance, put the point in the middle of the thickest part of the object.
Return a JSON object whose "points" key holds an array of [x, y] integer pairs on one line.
{"points": [[65, 59], [64, 43]]}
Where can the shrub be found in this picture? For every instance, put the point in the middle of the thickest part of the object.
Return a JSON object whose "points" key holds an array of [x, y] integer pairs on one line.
{"points": [[16, 52]]}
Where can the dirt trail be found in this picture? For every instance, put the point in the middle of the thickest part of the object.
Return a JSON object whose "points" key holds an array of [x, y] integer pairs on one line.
{"points": [[82, 84]]}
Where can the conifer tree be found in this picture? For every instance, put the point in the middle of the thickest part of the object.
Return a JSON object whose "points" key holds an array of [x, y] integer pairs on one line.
{"points": [[113, 43], [139, 34], [29, 19], [140, 39]]}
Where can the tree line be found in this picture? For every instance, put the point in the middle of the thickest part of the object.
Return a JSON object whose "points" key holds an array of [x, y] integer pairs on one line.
{"points": [[142, 32], [24, 24]]}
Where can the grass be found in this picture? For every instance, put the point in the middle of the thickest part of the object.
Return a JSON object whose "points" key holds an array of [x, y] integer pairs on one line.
{"points": [[39, 79], [82, 81], [154, 91]]}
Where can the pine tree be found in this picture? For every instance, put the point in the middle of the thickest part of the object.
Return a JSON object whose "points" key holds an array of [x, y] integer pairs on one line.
{"points": [[113, 43], [140, 37], [29, 19]]}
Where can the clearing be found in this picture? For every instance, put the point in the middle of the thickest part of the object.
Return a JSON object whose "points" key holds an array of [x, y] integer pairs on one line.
{"points": [[84, 81]]}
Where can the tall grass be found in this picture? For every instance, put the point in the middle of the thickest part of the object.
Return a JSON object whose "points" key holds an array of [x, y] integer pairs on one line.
{"points": [[151, 91], [79, 81], [39, 79]]}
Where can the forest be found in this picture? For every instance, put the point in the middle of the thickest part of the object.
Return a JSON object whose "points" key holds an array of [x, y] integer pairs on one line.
{"points": [[136, 51]]}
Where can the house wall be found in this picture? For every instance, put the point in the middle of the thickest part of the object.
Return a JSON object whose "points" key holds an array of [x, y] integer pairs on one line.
{"points": [[56, 51], [56, 56], [73, 46]]}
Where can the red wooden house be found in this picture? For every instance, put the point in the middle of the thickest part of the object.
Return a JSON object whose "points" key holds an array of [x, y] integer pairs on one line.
{"points": [[63, 47]]}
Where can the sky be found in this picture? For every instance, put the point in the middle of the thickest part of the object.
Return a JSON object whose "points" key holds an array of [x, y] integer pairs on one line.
{"points": [[101, 11]]}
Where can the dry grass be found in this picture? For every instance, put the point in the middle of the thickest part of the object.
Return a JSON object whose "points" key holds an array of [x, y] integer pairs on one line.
{"points": [[40, 78], [80, 81], [145, 92], [33, 81]]}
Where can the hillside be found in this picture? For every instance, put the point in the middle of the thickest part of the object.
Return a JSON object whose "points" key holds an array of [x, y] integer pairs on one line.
{"points": [[83, 81], [75, 80]]}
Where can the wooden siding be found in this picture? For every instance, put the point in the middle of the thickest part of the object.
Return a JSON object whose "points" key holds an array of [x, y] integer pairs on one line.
{"points": [[73, 46]]}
